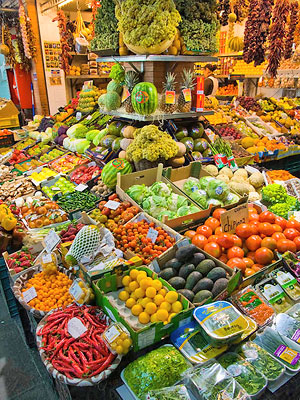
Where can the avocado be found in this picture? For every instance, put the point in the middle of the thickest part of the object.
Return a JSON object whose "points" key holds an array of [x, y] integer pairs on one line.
{"points": [[173, 263], [203, 284], [192, 280], [187, 294], [186, 252], [198, 257], [177, 282], [219, 286], [201, 296], [205, 266], [216, 273], [167, 273], [185, 270]]}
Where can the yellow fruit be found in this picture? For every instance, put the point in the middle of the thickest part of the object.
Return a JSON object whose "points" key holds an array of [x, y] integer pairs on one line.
{"points": [[151, 292], [119, 341], [158, 299], [141, 275], [133, 273], [130, 302], [171, 316], [163, 292], [162, 315], [145, 301], [140, 293], [247, 142], [176, 307], [165, 306], [171, 297], [126, 288], [136, 309], [119, 349], [126, 280], [123, 295], [145, 283], [154, 318], [127, 343], [157, 284], [151, 308], [144, 318], [133, 296], [123, 336], [133, 286]]}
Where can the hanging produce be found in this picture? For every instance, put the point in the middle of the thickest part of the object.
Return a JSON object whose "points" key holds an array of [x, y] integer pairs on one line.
{"points": [[241, 9], [4, 49], [223, 10], [7, 47], [24, 32], [291, 30], [21, 58], [31, 38], [106, 34], [65, 48]]}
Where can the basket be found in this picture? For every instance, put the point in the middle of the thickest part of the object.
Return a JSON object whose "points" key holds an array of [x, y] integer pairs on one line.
{"points": [[76, 381], [22, 280], [7, 140], [157, 49]]}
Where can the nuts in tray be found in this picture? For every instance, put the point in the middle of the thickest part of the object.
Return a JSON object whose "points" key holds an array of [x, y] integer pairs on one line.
{"points": [[17, 188]]}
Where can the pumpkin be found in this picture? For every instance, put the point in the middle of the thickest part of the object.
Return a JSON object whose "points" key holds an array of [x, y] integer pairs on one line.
{"points": [[144, 98], [111, 169]]}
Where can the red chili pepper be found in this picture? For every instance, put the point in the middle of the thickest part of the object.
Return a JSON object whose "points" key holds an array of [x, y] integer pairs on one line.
{"points": [[104, 366]]}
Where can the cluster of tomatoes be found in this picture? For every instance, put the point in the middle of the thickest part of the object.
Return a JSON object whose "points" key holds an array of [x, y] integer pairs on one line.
{"points": [[253, 244]]}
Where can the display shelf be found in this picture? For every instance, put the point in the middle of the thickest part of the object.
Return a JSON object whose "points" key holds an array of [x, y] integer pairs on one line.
{"points": [[156, 117], [236, 76], [229, 55], [165, 58], [87, 76]]}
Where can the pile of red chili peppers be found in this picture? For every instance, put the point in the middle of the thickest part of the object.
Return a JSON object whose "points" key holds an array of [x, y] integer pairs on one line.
{"points": [[83, 357]]}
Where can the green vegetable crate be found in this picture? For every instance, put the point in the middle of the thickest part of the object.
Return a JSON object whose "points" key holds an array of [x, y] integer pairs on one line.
{"points": [[152, 332], [150, 176]]}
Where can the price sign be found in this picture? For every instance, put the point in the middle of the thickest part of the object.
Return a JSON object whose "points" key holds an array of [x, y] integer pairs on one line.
{"points": [[55, 188], [76, 328], [51, 241], [232, 218], [75, 290], [113, 205], [170, 97], [29, 294], [47, 258], [92, 164], [152, 234], [81, 187], [187, 95]]}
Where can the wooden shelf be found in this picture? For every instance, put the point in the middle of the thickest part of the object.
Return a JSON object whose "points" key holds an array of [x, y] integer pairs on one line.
{"points": [[87, 76], [156, 117]]}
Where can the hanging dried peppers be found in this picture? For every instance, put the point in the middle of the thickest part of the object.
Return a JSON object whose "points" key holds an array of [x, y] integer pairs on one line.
{"points": [[291, 30], [31, 38], [25, 39], [21, 59], [223, 11], [64, 45]]}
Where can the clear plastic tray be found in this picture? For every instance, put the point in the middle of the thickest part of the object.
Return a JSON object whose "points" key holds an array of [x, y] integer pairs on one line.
{"points": [[288, 327]]}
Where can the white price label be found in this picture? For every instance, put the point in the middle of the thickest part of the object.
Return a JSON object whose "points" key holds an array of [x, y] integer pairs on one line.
{"points": [[152, 234], [55, 188], [81, 187], [75, 291], [111, 334], [113, 205], [78, 115], [29, 294], [92, 164], [47, 258], [76, 328], [51, 241], [77, 215]]}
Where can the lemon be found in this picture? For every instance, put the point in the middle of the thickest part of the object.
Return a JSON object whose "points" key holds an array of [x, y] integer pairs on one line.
{"points": [[154, 318], [123, 336], [140, 293], [151, 292], [133, 296], [127, 343], [176, 307], [119, 341], [126, 280], [136, 309], [123, 295], [144, 318], [145, 301], [133, 273], [130, 302], [171, 296], [157, 284], [163, 292], [114, 346], [145, 283], [165, 306], [133, 285], [158, 299], [151, 308], [162, 315], [119, 349], [141, 275], [171, 316], [126, 288]]}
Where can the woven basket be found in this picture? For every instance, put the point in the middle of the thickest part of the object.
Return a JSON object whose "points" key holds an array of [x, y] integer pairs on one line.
{"points": [[157, 49]]}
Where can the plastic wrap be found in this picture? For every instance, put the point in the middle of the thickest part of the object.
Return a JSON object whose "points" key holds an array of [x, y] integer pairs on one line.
{"points": [[288, 283], [294, 312], [287, 326], [275, 295], [178, 392]]}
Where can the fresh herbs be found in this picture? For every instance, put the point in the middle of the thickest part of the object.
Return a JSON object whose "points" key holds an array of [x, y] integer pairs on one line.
{"points": [[106, 33]]}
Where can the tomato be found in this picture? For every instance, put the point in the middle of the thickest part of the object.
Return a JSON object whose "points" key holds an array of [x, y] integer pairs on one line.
{"points": [[225, 240], [213, 238], [269, 242], [255, 223], [253, 242], [245, 230], [237, 241], [257, 267], [218, 230], [217, 213], [251, 255], [292, 223], [204, 230], [213, 249], [278, 235], [277, 228], [190, 234], [284, 245], [253, 217], [264, 256], [252, 209], [199, 241], [249, 272], [297, 242], [266, 228], [235, 252], [281, 222], [267, 216], [291, 233], [248, 261], [223, 258], [236, 263], [245, 250], [212, 222]]}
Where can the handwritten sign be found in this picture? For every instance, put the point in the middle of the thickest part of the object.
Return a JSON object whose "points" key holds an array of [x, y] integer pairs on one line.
{"points": [[232, 218], [51, 241], [29, 294], [76, 328], [113, 205]]}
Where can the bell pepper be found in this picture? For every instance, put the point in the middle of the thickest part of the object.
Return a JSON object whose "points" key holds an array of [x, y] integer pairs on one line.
{"points": [[19, 233], [8, 222], [4, 211]]}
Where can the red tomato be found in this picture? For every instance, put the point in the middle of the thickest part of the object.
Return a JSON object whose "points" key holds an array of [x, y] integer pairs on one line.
{"points": [[292, 223], [264, 256], [291, 233], [245, 250], [213, 238], [253, 242], [278, 235], [237, 241], [281, 222], [269, 242], [255, 223], [266, 228], [199, 241], [217, 213], [284, 245], [237, 263], [235, 252], [223, 258], [218, 230], [190, 234], [252, 209], [204, 230], [257, 267], [245, 230], [225, 240], [249, 272], [297, 242], [248, 261], [213, 249], [212, 222], [251, 255], [277, 228], [253, 217], [267, 216]]}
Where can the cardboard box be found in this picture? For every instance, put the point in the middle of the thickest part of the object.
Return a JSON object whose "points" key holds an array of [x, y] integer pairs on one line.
{"points": [[9, 116]]}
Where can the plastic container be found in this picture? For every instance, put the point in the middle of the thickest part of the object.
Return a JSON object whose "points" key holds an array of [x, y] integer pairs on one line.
{"points": [[288, 283], [117, 339], [253, 382], [178, 392], [221, 322], [288, 327], [275, 295], [261, 360], [294, 312]]}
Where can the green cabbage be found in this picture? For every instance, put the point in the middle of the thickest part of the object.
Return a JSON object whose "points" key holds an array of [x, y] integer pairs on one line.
{"points": [[170, 214], [194, 209], [191, 185], [91, 134], [217, 189], [182, 211], [77, 131], [161, 189], [231, 199], [214, 202], [176, 201], [138, 193], [200, 196], [204, 181]]}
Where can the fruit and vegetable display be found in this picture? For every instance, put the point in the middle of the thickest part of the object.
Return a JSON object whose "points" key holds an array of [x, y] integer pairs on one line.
{"points": [[67, 163], [6, 173], [24, 144], [68, 234], [28, 165], [51, 155], [38, 149]]}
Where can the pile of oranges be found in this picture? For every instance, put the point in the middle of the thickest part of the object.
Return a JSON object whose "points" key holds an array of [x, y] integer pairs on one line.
{"points": [[52, 291], [147, 298]]}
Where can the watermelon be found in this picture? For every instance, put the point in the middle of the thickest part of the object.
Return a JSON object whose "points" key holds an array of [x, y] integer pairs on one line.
{"points": [[144, 98], [111, 169]]}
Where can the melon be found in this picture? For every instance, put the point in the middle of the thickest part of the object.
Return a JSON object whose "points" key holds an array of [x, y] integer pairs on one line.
{"points": [[107, 141], [115, 127], [116, 144], [197, 131], [200, 145], [101, 100], [112, 101], [144, 98], [188, 142], [128, 132], [114, 86], [181, 149], [111, 169]]}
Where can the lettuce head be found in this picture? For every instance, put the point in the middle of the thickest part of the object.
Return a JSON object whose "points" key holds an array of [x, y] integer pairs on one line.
{"points": [[204, 181], [154, 205], [138, 193], [231, 199], [161, 189], [182, 211], [176, 201], [214, 202], [200, 197], [168, 213], [191, 185], [217, 189]]}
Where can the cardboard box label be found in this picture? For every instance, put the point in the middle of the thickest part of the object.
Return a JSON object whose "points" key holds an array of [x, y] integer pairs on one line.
{"points": [[232, 218]]}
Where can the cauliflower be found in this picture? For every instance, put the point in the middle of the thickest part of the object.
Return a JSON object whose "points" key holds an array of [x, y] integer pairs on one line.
{"points": [[240, 188], [241, 172], [256, 179], [226, 171], [253, 196], [224, 178], [212, 170]]}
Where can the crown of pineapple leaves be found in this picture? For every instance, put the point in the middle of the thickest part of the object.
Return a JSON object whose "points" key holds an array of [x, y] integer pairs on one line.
{"points": [[131, 79], [188, 79], [169, 83]]}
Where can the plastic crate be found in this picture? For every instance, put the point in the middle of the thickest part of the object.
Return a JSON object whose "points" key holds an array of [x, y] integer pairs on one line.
{"points": [[7, 141], [11, 302]]}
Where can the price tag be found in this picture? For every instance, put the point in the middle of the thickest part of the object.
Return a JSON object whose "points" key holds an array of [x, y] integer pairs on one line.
{"points": [[47, 258], [75, 290], [51, 241], [76, 328], [92, 164], [78, 115], [111, 334], [88, 117], [170, 97], [29, 294], [113, 205], [187, 95], [81, 187], [55, 188], [152, 234], [77, 215], [232, 218]]}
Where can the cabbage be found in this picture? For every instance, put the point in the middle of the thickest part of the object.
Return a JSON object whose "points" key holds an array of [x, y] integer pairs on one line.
{"points": [[161, 189], [168, 213], [99, 136], [154, 205], [77, 131], [214, 202], [176, 201], [138, 193], [200, 196], [182, 211], [231, 199], [204, 181], [217, 189], [79, 145], [91, 134], [191, 185], [194, 209]]}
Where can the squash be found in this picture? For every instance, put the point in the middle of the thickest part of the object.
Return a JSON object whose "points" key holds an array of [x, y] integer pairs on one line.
{"points": [[181, 149], [128, 132], [125, 143]]}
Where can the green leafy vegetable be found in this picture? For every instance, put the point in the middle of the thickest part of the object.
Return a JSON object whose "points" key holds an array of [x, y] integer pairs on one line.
{"points": [[171, 393], [106, 33]]}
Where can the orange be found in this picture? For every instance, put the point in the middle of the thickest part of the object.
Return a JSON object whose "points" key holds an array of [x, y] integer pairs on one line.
{"points": [[151, 308], [151, 292], [165, 306], [162, 315], [144, 318]]}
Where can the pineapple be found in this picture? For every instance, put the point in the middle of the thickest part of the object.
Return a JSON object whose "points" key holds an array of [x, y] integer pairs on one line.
{"points": [[169, 84], [131, 79], [187, 83]]}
